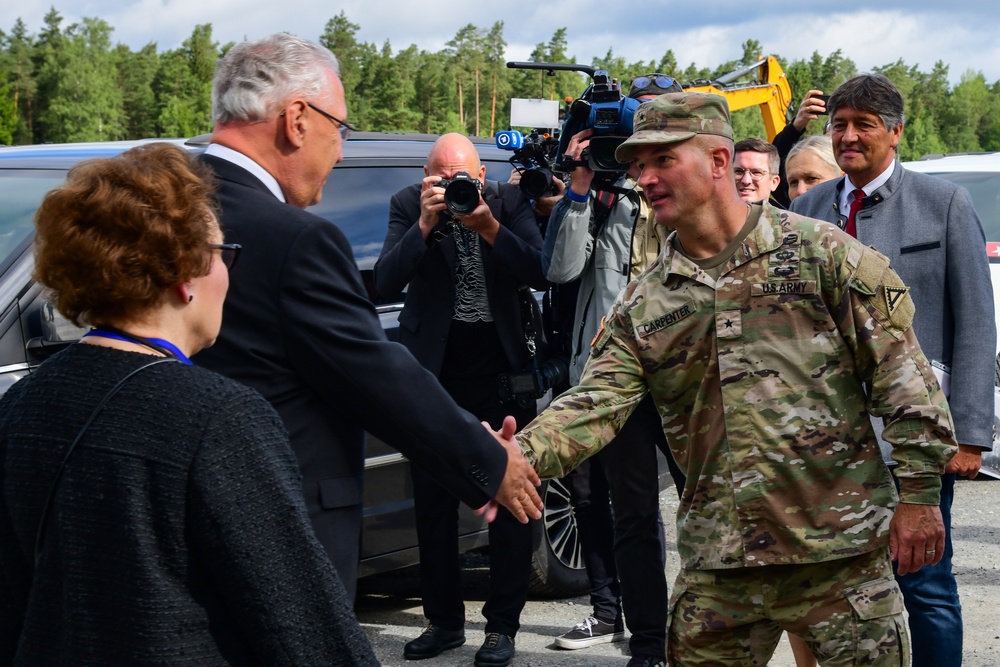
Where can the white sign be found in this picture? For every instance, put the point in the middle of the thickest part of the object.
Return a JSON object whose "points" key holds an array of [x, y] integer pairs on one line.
{"points": [[534, 113]]}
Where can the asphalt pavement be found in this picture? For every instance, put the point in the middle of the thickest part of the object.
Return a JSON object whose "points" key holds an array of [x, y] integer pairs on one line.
{"points": [[388, 605]]}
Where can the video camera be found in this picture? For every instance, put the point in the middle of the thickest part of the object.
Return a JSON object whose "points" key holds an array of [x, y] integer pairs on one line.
{"points": [[602, 107], [533, 159]]}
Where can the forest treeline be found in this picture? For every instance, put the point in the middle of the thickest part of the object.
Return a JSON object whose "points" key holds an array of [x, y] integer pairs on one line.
{"points": [[73, 83]]}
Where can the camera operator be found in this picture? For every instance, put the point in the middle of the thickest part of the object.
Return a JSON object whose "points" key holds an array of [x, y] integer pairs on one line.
{"points": [[603, 238], [464, 246]]}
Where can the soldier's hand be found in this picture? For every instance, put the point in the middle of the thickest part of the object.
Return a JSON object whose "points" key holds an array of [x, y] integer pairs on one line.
{"points": [[916, 537], [810, 109], [966, 462], [517, 490], [431, 204]]}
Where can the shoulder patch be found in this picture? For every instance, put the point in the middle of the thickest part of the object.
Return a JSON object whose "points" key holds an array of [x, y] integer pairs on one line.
{"points": [[894, 297], [601, 339]]}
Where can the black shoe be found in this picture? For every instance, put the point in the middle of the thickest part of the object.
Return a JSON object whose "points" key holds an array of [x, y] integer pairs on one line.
{"points": [[432, 641], [496, 651], [646, 661], [591, 631]]}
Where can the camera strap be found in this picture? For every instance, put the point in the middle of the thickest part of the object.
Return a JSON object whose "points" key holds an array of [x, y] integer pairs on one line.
{"points": [[529, 309], [604, 201]]}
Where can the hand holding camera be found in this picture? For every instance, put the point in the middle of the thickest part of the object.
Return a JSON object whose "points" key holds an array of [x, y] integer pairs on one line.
{"points": [[582, 175], [456, 200]]}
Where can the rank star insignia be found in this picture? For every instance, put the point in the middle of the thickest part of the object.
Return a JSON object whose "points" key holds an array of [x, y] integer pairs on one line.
{"points": [[894, 296], [729, 324]]}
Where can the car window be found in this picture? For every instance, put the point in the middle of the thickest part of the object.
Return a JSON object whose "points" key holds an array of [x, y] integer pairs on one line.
{"points": [[357, 198], [21, 191], [985, 190]]}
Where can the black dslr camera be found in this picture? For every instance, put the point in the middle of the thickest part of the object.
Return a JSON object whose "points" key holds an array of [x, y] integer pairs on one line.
{"points": [[526, 386], [461, 193]]}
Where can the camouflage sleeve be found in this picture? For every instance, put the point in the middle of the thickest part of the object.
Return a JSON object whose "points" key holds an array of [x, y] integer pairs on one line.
{"points": [[580, 422], [903, 389]]}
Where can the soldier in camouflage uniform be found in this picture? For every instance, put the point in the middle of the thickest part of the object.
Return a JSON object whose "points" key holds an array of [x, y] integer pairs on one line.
{"points": [[757, 332]]}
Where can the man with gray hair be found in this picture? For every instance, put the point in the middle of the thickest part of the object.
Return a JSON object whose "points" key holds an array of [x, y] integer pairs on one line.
{"points": [[297, 324], [929, 230], [765, 340]]}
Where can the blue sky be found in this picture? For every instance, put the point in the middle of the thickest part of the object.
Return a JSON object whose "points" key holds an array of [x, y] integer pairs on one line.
{"points": [[964, 35]]}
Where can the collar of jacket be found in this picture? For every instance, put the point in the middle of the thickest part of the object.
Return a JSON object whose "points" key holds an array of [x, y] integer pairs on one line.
{"points": [[766, 237], [885, 191]]}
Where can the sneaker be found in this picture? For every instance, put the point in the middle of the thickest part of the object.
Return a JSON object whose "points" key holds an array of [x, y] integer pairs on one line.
{"points": [[591, 631], [432, 641], [646, 661], [497, 651]]}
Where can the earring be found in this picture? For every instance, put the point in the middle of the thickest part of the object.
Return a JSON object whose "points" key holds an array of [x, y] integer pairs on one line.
{"points": [[190, 298]]}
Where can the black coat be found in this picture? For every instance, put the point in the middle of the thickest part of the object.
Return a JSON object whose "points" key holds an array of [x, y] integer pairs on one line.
{"points": [[299, 328], [429, 269]]}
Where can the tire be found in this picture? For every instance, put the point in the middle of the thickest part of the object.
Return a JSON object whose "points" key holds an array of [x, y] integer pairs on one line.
{"points": [[557, 568]]}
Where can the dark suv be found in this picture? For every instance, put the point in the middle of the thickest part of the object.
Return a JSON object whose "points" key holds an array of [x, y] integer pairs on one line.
{"points": [[356, 198]]}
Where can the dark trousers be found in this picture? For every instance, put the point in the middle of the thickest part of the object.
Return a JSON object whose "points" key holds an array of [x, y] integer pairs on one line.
{"points": [[591, 500], [633, 477], [437, 530], [931, 598]]}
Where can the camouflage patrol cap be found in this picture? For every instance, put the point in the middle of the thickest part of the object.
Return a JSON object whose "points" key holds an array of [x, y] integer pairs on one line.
{"points": [[676, 117]]}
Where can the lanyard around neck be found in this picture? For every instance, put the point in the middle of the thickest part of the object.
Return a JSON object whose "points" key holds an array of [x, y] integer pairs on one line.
{"points": [[164, 347]]}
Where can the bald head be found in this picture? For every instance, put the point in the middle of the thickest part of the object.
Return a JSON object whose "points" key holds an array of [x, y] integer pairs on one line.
{"points": [[453, 153]]}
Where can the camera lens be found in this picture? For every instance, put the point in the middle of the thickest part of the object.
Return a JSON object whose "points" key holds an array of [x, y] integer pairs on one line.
{"points": [[602, 153], [461, 197], [536, 182]]}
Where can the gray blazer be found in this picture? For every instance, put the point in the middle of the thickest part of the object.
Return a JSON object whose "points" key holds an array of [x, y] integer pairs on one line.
{"points": [[932, 236]]}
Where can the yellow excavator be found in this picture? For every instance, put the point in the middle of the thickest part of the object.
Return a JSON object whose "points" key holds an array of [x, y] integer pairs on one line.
{"points": [[769, 90]]}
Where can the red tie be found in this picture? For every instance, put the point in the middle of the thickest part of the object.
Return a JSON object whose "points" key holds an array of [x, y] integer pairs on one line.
{"points": [[851, 228]]}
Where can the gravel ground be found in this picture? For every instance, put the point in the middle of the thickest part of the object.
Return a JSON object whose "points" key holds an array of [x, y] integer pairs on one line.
{"points": [[389, 605]]}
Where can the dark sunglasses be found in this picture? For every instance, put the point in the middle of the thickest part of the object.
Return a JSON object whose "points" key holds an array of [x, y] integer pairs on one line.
{"points": [[230, 252], [343, 126], [643, 82]]}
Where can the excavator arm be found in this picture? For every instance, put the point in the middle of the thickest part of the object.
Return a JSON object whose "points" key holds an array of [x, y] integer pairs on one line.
{"points": [[769, 91]]}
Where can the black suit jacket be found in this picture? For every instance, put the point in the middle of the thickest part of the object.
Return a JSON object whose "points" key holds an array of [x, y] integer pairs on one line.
{"points": [[429, 269], [299, 328]]}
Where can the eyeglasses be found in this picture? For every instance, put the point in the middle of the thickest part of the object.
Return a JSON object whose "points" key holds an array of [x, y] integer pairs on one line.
{"points": [[640, 83], [343, 126], [230, 252], [755, 174]]}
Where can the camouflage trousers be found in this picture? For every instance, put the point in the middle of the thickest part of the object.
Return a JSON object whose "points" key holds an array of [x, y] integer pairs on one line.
{"points": [[849, 611]]}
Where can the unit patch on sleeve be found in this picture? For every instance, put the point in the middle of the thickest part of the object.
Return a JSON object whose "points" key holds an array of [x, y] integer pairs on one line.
{"points": [[894, 297]]}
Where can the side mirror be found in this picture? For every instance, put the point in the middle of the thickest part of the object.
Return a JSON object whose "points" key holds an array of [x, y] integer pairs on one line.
{"points": [[57, 333]]}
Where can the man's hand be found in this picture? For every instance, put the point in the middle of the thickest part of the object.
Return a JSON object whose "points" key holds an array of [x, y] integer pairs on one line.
{"points": [[482, 222], [966, 462], [544, 205], [517, 490], [431, 204], [916, 537], [580, 177], [810, 109]]}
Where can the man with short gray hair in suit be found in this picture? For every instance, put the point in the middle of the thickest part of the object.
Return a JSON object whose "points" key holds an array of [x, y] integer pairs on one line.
{"points": [[929, 230]]}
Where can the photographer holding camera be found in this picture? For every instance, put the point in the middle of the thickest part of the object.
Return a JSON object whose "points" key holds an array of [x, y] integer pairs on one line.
{"points": [[602, 234], [463, 247]]}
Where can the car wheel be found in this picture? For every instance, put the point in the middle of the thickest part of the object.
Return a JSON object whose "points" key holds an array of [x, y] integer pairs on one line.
{"points": [[557, 568]]}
